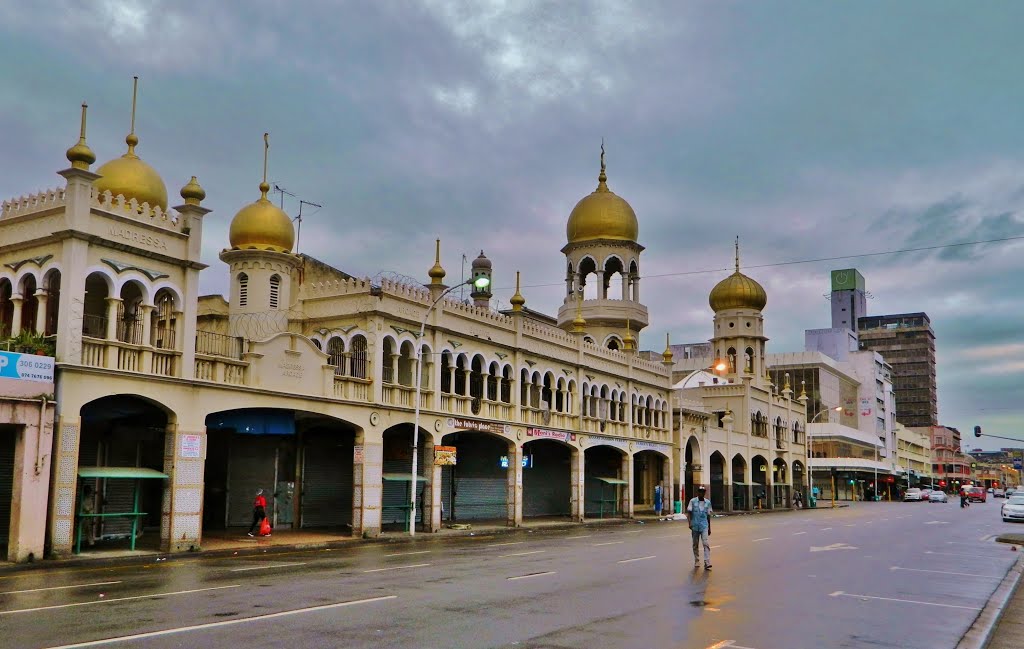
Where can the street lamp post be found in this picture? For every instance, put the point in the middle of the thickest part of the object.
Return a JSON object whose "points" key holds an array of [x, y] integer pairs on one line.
{"points": [[481, 282], [810, 449]]}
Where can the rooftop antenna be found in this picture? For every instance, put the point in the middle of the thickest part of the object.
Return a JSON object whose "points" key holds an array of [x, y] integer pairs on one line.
{"points": [[298, 220], [282, 191]]}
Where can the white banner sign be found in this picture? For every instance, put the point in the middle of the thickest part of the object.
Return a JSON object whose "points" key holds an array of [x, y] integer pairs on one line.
{"points": [[26, 367]]}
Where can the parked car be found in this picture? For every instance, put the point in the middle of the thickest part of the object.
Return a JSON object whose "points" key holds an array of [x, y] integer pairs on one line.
{"points": [[977, 494], [912, 494], [938, 497], [1010, 492], [1013, 509], [998, 493]]}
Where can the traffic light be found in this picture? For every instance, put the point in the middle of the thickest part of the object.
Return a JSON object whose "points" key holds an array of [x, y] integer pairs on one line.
{"points": [[942, 483], [977, 431]]}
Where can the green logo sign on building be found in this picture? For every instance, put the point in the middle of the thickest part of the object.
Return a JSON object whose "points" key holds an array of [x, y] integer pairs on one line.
{"points": [[847, 280]]}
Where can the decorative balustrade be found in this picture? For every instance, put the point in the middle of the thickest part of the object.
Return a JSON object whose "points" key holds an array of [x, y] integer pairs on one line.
{"points": [[209, 343], [399, 395], [352, 389], [164, 363]]}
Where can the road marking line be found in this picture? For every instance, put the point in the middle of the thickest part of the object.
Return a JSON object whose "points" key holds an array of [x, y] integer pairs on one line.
{"points": [[212, 625], [116, 599], [633, 532], [533, 574], [498, 545], [943, 572], [277, 565], [415, 565], [39, 590], [798, 533], [585, 536], [840, 593], [767, 538], [965, 556], [713, 610], [404, 554], [851, 525], [520, 554], [721, 645], [825, 529], [670, 536], [715, 546], [638, 559], [609, 543]]}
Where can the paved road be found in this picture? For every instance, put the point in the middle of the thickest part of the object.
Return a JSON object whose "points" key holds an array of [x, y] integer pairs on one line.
{"points": [[872, 575]]}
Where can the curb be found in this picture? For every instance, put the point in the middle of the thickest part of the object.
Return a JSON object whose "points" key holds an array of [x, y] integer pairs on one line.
{"points": [[979, 634]]}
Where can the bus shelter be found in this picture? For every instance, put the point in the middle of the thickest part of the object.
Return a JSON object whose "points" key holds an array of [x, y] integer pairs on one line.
{"points": [[135, 474]]}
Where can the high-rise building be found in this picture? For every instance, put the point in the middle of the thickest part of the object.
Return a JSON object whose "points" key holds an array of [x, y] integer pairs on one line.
{"points": [[849, 299], [907, 343]]}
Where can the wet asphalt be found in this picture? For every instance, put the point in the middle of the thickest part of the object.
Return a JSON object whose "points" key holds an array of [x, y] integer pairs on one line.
{"points": [[869, 575]]}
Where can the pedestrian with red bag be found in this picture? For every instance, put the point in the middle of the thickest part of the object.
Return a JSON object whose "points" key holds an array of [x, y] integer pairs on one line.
{"points": [[259, 515]]}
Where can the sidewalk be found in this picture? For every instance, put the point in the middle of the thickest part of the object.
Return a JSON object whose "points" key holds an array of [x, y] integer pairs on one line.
{"points": [[1009, 631]]}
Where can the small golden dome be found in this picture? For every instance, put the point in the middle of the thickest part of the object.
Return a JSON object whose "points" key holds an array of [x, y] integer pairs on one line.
{"points": [[667, 356], [517, 300], [80, 155], [262, 226], [131, 177], [602, 215], [737, 291], [192, 192]]}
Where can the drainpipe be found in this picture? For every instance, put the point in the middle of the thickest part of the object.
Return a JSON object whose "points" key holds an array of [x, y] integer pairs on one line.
{"points": [[39, 436]]}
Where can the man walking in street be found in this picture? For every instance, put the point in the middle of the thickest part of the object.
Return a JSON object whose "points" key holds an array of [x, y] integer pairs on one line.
{"points": [[699, 510]]}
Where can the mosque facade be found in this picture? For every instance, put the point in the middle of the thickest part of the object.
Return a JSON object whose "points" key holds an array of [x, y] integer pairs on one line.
{"points": [[173, 409]]}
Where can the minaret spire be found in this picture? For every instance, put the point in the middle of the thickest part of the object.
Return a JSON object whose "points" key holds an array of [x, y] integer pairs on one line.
{"points": [[737, 253], [436, 272], [80, 155], [517, 300], [132, 139], [264, 186], [602, 178]]}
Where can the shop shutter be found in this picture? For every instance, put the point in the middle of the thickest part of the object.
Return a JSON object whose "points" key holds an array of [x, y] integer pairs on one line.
{"points": [[250, 467], [119, 495], [446, 492], [395, 494], [7, 438], [327, 482], [480, 498]]}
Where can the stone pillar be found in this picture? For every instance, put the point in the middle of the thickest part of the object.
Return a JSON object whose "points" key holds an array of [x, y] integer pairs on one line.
{"points": [[576, 484], [181, 523], [32, 450], [42, 297], [432, 494], [465, 381], [63, 483], [368, 488], [16, 303], [669, 490], [626, 497], [514, 492], [145, 312], [625, 287]]}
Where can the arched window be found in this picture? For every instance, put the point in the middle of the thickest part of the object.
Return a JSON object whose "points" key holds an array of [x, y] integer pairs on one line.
{"points": [[359, 357], [275, 290], [243, 289], [336, 353]]}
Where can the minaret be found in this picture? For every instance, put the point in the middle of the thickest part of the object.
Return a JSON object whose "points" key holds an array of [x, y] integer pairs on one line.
{"points": [[262, 265], [602, 251], [739, 338], [481, 267]]}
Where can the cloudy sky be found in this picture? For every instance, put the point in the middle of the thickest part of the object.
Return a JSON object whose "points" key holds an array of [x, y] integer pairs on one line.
{"points": [[812, 130]]}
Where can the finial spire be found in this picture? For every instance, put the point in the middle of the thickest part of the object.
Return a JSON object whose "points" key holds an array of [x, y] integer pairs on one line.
{"points": [[737, 253], [264, 186], [578, 323], [132, 139], [80, 155], [602, 177], [436, 272], [517, 299]]}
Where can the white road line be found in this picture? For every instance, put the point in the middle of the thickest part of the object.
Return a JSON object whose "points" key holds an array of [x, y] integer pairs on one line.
{"points": [[520, 554], [633, 532], [798, 533], [212, 625], [670, 536], [584, 536], [637, 559], [721, 645], [715, 546], [39, 590], [405, 554], [415, 565], [825, 529], [966, 556], [943, 572], [499, 545], [535, 574], [274, 565], [609, 543], [840, 593], [767, 538], [116, 599], [851, 525]]}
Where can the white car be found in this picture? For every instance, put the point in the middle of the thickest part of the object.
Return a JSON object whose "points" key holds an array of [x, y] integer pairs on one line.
{"points": [[912, 494], [1013, 508], [938, 497]]}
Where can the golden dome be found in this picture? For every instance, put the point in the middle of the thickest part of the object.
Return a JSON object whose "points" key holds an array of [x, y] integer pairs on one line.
{"points": [[262, 226], [131, 177], [737, 291], [80, 155], [602, 215], [517, 300], [192, 192]]}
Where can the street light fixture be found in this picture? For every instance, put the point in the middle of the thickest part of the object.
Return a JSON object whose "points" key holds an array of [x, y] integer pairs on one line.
{"points": [[810, 450], [480, 282]]}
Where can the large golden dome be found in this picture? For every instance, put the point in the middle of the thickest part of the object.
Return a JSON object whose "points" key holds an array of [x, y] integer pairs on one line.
{"points": [[737, 291], [131, 177], [262, 226], [602, 215]]}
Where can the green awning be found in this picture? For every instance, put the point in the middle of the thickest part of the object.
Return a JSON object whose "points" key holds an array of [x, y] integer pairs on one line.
{"points": [[401, 477], [119, 472], [612, 481]]}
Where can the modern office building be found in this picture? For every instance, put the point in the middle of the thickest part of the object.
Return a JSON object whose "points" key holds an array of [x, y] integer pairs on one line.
{"points": [[907, 343]]}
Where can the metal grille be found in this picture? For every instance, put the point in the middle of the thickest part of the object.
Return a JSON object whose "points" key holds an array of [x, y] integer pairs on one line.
{"points": [[6, 482]]}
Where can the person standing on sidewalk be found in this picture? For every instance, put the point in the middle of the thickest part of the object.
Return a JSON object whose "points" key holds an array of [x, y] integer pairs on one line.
{"points": [[259, 511], [699, 510]]}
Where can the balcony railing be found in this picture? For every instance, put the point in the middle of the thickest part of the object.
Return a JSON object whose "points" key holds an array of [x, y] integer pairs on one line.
{"points": [[209, 343]]}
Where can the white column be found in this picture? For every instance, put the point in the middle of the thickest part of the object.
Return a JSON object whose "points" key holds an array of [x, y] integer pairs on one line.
{"points": [[514, 493]]}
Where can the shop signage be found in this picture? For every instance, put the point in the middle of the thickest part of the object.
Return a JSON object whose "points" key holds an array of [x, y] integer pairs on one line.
{"points": [[358, 456], [191, 445], [527, 461], [654, 445], [551, 434], [483, 426], [26, 367], [444, 455], [609, 441]]}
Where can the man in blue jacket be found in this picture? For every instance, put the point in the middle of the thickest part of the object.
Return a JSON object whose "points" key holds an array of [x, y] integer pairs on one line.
{"points": [[699, 510]]}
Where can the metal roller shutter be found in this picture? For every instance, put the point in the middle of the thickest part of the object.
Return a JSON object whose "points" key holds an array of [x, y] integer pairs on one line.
{"points": [[327, 482], [479, 498], [250, 467], [395, 493], [119, 495], [7, 438], [446, 491], [546, 488]]}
